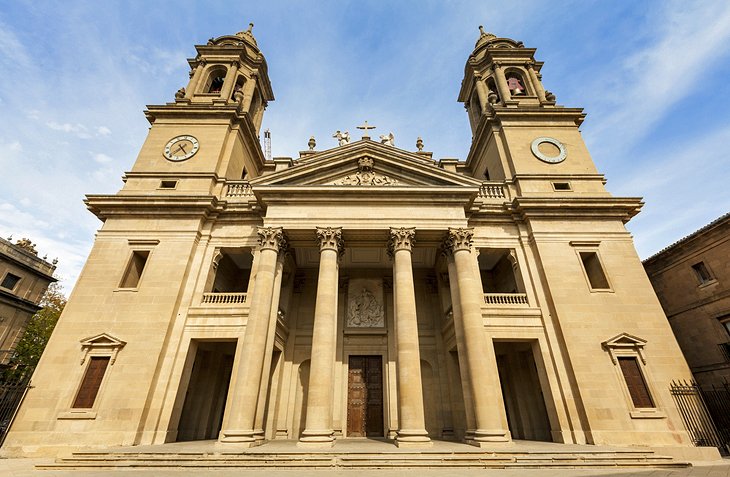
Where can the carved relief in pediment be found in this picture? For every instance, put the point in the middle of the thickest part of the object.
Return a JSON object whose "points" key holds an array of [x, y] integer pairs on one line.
{"points": [[366, 176]]}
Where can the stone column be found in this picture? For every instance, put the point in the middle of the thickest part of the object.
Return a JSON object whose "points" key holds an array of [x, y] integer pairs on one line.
{"points": [[501, 80], [482, 93], [536, 83], [227, 88], [248, 89], [489, 415], [241, 410], [460, 342], [195, 80], [412, 423], [269, 350], [318, 425]]}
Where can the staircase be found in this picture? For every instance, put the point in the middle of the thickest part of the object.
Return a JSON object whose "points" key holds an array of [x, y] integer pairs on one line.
{"points": [[258, 458]]}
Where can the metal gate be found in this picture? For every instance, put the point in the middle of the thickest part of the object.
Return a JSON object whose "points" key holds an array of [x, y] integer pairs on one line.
{"points": [[704, 412], [13, 386]]}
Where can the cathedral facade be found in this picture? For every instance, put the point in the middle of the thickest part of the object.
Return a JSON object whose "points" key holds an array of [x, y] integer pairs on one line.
{"points": [[359, 291]]}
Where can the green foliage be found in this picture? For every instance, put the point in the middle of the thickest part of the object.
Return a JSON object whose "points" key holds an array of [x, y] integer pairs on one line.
{"points": [[39, 328]]}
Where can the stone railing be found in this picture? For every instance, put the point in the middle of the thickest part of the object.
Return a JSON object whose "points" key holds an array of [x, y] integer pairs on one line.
{"points": [[505, 299], [238, 189], [234, 298], [491, 191]]}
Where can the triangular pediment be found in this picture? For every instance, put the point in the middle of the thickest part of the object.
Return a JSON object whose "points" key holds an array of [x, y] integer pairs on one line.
{"points": [[365, 163], [102, 339], [624, 340]]}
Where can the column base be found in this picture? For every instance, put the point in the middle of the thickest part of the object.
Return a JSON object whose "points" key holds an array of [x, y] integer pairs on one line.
{"points": [[482, 437], [413, 438], [316, 439], [245, 438]]}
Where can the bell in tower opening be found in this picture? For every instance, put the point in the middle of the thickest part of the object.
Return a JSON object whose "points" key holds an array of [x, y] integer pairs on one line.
{"points": [[515, 85]]}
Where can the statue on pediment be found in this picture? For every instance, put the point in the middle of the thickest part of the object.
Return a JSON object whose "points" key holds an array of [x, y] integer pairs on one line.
{"points": [[388, 140], [343, 138]]}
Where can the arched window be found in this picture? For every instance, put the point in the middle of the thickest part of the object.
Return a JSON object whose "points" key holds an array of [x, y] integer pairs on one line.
{"points": [[493, 94], [237, 87], [516, 84], [215, 80]]}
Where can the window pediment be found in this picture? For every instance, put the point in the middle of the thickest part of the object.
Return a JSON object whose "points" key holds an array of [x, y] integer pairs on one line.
{"points": [[625, 344], [103, 345]]}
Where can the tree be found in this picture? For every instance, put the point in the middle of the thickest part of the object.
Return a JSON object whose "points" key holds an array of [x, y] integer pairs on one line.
{"points": [[39, 329]]}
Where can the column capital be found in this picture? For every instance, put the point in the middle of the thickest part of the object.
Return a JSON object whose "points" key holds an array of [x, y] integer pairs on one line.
{"points": [[459, 239], [401, 239], [330, 238], [272, 238]]}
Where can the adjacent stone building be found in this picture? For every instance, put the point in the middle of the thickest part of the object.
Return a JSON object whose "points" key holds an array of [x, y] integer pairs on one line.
{"points": [[692, 280], [362, 290], [24, 278]]}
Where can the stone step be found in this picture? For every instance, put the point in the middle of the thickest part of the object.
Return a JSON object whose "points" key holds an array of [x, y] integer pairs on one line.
{"points": [[418, 459]]}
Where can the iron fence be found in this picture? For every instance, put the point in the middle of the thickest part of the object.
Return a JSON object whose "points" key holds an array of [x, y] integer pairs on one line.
{"points": [[705, 412], [14, 384]]}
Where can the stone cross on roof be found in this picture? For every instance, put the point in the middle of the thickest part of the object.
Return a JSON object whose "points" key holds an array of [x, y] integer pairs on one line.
{"points": [[365, 127]]}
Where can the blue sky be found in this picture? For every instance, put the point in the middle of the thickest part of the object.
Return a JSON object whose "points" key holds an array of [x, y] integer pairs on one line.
{"points": [[652, 77]]}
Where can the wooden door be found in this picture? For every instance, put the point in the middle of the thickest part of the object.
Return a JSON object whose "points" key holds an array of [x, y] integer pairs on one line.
{"points": [[365, 397]]}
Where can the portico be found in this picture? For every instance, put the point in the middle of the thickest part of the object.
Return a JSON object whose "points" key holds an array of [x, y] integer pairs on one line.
{"points": [[377, 315]]}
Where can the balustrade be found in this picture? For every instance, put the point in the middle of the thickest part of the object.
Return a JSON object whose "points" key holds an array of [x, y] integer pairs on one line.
{"points": [[239, 189], [232, 298], [505, 299]]}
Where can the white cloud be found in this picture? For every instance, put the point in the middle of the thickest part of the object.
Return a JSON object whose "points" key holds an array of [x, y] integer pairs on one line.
{"points": [[687, 42], [79, 130], [102, 158], [103, 131]]}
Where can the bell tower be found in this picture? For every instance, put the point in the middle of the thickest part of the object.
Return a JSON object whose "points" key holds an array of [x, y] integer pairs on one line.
{"points": [[519, 132], [209, 134]]}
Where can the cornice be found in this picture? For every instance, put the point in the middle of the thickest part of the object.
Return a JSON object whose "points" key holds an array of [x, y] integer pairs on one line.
{"points": [[178, 206], [18, 302], [552, 207]]}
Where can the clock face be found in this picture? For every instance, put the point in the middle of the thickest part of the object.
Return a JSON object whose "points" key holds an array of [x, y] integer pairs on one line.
{"points": [[549, 150], [181, 148]]}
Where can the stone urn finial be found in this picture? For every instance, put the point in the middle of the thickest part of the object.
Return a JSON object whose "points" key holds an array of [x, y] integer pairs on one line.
{"points": [[312, 143], [419, 144]]}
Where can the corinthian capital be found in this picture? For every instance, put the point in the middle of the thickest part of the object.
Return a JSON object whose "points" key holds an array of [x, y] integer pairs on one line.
{"points": [[401, 239], [459, 239], [330, 238], [271, 238]]}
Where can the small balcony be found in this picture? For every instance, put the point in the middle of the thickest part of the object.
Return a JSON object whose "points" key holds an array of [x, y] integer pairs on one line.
{"points": [[231, 298], [505, 299]]}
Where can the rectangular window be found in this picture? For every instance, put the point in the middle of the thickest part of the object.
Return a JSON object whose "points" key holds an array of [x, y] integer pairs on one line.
{"points": [[134, 269], [91, 382], [703, 274], [562, 186], [10, 281], [594, 270], [168, 184], [635, 382]]}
